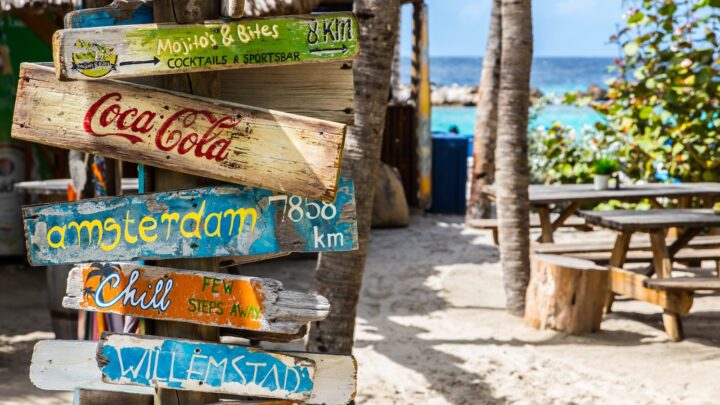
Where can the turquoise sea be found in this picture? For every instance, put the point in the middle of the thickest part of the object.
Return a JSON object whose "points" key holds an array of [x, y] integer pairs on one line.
{"points": [[552, 75]]}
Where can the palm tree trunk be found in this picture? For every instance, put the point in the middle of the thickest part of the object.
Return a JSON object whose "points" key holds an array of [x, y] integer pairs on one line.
{"points": [[339, 275], [486, 124], [512, 148]]}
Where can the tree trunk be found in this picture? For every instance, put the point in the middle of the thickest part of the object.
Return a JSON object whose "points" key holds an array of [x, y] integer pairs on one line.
{"points": [[486, 124], [339, 275], [512, 147], [202, 84]]}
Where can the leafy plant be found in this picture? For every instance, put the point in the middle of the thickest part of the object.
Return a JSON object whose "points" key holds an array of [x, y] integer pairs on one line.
{"points": [[606, 166], [559, 155], [664, 104]]}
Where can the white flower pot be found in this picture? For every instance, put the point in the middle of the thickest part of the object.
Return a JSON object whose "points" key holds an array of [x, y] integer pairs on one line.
{"points": [[601, 181]]}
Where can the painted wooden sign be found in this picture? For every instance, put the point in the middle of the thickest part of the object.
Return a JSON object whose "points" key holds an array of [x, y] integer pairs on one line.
{"points": [[191, 296], [226, 141], [204, 367], [153, 49], [119, 12], [206, 222], [64, 365]]}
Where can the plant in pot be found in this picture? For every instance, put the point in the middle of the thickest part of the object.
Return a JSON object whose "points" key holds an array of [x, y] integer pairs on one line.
{"points": [[604, 169]]}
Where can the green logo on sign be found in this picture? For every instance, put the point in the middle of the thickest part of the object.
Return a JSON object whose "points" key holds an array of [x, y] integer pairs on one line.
{"points": [[96, 60]]}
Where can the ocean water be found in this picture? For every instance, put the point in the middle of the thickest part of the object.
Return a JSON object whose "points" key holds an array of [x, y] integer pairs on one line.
{"points": [[554, 75]]}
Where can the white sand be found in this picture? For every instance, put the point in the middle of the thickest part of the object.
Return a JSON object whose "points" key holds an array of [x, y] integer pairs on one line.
{"points": [[432, 329]]}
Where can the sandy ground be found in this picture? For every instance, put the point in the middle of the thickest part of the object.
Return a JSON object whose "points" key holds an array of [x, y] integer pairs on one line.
{"points": [[432, 330]]}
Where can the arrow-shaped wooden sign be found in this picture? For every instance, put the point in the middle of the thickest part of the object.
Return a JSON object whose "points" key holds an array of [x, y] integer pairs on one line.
{"points": [[226, 141], [206, 222], [65, 365], [154, 49], [191, 296], [204, 367]]}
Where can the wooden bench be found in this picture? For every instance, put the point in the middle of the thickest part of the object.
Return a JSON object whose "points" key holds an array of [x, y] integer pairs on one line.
{"points": [[492, 224], [684, 283], [704, 241], [689, 255]]}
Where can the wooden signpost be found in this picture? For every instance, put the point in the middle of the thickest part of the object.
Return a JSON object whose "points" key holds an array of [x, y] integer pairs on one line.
{"points": [[156, 49], [66, 365], [207, 222], [203, 298], [295, 156], [240, 144], [203, 367]]}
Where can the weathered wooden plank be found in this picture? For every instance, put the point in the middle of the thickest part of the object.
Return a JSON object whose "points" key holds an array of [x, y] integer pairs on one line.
{"points": [[703, 241], [232, 8], [231, 142], [119, 12], [631, 285], [648, 220], [323, 90], [155, 49], [191, 296], [95, 397], [63, 365], [684, 283], [203, 367], [206, 222]]}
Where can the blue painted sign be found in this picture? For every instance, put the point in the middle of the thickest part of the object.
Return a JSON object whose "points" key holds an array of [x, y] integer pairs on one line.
{"points": [[118, 13], [197, 366], [207, 222]]}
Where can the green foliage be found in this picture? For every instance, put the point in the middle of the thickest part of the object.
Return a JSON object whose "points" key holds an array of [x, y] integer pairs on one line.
{"points": [[606, 166], [558, 155], [664, 105]]}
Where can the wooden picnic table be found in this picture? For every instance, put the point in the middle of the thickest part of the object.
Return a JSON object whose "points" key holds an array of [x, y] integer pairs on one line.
{"points": [[674, 296], [572, 196]]}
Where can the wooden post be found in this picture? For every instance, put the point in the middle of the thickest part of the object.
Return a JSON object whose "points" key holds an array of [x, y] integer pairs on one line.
{"points": [[206, 85], [420, 76]]}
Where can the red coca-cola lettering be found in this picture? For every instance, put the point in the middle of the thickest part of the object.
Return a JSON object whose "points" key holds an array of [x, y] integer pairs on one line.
{"points": [[122, 120], [106, 117], [207, 145]]}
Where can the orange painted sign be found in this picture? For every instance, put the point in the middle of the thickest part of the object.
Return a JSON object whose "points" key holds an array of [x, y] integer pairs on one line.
{"points": [[198, 297]]}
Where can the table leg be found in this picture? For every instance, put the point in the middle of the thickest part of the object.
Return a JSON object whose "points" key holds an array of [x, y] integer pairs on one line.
{"points": [[683, 202], [663, 268], [617, 259], [545, 224], [565, 214]]}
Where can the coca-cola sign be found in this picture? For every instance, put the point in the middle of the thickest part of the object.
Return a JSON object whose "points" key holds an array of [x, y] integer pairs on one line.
{"points": [[184, 131]]}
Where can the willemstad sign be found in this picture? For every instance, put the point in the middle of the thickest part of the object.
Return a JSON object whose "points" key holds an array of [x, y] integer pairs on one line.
{"points": [[152, 49]]}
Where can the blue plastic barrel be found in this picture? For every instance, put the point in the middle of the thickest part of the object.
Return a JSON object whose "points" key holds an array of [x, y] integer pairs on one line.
{"points": [[449, 173]]}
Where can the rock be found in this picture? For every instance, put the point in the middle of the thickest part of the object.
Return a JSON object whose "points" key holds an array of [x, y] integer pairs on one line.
{"points": [[390, 207], [596, 92]]}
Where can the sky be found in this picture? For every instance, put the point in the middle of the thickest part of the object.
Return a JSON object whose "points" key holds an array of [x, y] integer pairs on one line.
{"points": [[560, 27]]}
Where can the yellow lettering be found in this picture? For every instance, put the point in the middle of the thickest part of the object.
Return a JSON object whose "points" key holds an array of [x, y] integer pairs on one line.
{"points": [[276, 32], [61, 231], [142, 229], [242, 212], [216, 232], [170, 218], [197, 217], [129, 238], [162, 47], [111, 225], [89, 226]]}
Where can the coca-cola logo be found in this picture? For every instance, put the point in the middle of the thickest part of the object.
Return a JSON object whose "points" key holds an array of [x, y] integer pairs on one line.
{"points": [[187, 130]]}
